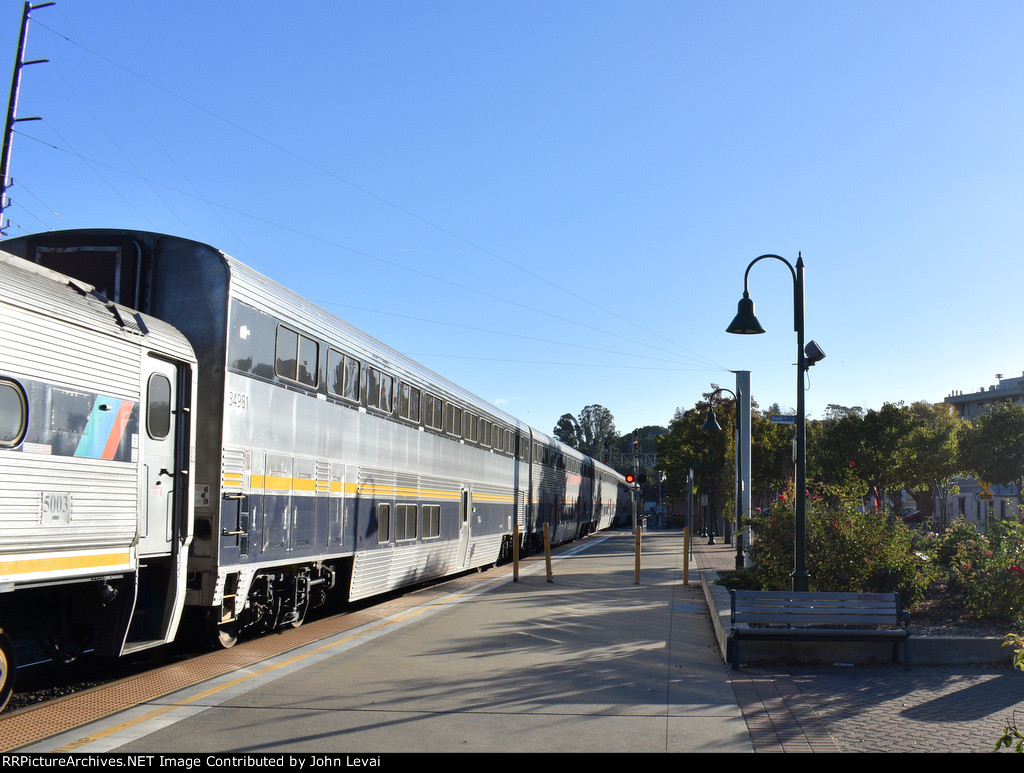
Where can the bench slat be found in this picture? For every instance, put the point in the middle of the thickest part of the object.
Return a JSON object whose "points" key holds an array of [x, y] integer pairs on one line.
{"points": [[834, 596], [809, 618]]}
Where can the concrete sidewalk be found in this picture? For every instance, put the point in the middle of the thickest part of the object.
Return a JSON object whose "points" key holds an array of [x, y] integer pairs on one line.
{"points": [[596, 660], [875, 708]]}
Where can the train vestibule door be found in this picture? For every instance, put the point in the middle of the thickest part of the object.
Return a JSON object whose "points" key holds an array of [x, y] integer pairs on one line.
{"points": [[165, 508], [159, 457], [465, 520]]}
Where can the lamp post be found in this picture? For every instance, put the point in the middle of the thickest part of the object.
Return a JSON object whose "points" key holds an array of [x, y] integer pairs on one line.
{"points": [[711, 425], [746, 323]]}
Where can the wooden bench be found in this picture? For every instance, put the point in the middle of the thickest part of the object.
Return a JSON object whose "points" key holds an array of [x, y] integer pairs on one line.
{"points": [[795, 616]]}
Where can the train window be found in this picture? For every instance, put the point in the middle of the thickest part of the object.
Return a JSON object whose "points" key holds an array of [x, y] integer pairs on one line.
{"points": [[309, 361], [409, 402], [297, 357], [287, 353], [380, 388], [158, 406], [251, 341], [469, 426], [431, 520], [343, 375], [485, 432], [13, 414], [405, 522], [432, 412], [383, 523], [453, 419]]}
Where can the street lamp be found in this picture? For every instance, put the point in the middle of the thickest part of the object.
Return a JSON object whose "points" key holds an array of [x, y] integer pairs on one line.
{"points": [[746, 323], [711, 425]]}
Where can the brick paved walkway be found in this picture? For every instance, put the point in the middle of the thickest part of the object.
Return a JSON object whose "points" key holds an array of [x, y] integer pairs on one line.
{"points": [[871, 708]]}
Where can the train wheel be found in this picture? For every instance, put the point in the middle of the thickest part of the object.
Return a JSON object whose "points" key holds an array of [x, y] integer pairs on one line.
{"points": [[300, 616], [7, 668], [220, 634], [227, 635]]}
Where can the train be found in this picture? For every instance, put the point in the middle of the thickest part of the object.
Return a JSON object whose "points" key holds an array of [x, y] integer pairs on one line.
{"points": [[186, 444]]}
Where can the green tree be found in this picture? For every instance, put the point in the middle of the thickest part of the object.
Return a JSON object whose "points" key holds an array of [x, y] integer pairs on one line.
{"points": [[993, 448], [931, 458], [567, 430], [771, 462], [835, 449], [595, 426], [711, 455], [883, 451]]}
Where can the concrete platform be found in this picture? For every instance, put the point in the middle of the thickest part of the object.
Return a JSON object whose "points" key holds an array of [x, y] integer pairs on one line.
{"points": [[592, 661]]}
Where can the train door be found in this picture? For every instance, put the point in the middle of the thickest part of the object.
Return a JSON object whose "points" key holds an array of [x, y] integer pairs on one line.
{"points": [[160, 465], [465, 519], [303, 505], [165, 509], [277, 504]]}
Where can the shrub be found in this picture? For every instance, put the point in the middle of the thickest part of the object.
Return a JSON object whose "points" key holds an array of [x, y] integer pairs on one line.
{"points": [[957, 535], [988, 572], [847, 550]]}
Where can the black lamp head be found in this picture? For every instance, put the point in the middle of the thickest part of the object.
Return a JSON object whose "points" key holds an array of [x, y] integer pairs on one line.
{"points": [[711, 423], [745, 322]]}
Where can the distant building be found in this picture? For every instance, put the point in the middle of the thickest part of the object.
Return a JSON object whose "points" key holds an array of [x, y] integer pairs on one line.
{"points": [[978, 501], [973, 404]]}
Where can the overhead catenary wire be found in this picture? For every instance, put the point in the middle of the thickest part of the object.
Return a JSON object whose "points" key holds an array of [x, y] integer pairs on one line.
{"points": [[403, 210], [386, 261]]}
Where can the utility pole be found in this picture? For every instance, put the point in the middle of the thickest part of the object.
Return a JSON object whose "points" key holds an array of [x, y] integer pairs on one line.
{"points": [[12, 109]]}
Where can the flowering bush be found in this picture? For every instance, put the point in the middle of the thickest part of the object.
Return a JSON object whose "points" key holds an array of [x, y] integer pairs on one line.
{"points": [[847, 550], [987, 570], [958, 536]]}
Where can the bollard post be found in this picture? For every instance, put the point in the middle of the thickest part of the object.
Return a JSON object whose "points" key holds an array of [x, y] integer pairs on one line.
{"points": [[686, 555], [515, 550], [636, 569], [547, 550]]}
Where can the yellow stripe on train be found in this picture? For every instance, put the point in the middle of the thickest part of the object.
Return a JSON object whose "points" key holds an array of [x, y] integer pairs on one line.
{"points": [[12, 568]]}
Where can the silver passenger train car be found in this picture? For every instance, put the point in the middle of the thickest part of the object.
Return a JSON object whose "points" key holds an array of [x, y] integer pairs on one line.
{"points": [[95, 468], [297, 456]]}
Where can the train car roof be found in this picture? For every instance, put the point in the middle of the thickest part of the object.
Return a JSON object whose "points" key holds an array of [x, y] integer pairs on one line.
{"points": [[52, 291]]}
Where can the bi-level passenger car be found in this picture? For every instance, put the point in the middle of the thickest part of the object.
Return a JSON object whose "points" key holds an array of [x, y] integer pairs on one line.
{"points": [[323, 459]]}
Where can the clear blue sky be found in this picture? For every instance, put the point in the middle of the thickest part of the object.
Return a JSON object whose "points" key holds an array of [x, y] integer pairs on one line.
{"points": [[553, 203]]}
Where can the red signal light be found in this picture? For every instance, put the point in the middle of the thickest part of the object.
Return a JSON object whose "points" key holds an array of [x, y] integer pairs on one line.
{"points": [[630, 479]]}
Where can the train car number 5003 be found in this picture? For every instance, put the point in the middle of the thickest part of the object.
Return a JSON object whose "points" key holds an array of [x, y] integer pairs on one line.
{"points": [[54, 508]]}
